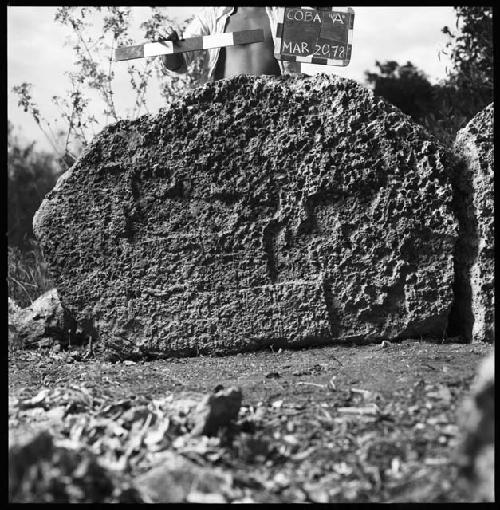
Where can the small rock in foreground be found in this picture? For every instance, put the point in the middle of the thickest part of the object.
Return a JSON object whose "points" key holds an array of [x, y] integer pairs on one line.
{"points": [[176, 477], [40, 472], [41, 324], [478, 442], [216, 411]]}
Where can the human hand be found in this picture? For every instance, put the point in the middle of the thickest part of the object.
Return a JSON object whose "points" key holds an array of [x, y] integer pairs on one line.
{"points": [[171, 62], [168, 34]]}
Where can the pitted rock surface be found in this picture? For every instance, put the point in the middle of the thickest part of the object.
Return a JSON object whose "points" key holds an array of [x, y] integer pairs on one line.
{"points": [[475, 258], [256, 211]]}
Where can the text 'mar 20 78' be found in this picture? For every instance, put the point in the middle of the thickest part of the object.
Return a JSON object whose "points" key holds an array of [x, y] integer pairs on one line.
{"points": [[315, 36]]}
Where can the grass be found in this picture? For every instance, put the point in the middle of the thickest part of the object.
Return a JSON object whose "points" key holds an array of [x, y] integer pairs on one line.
{"points": [[27, 276]]}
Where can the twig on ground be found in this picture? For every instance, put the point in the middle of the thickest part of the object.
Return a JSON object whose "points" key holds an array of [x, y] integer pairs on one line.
{"points": [[313, 384]]}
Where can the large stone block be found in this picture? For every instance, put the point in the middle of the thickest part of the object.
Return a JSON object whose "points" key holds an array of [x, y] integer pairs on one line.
{"points": [[473, 315], [256, 211]]}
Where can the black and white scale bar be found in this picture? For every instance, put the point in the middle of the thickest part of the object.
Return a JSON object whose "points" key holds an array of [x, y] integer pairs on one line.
{"points": [[205, 42]]}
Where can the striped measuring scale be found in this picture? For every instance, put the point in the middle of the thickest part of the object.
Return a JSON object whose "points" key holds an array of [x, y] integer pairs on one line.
{"points": [[206, 42]]}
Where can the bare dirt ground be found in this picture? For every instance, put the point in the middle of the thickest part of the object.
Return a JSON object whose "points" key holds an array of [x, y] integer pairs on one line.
{"points": [[373, 423]]}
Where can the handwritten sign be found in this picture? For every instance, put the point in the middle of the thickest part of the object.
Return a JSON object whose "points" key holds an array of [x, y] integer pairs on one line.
{"points": [[316, 36]]}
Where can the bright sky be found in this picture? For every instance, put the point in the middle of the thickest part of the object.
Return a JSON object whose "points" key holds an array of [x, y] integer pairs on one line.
{"points": [[37, 53]]}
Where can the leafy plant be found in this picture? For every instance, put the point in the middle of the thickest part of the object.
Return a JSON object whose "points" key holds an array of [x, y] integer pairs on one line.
{"points": [[446, 107], [94, 71], [405, 86], [471, 51]]}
